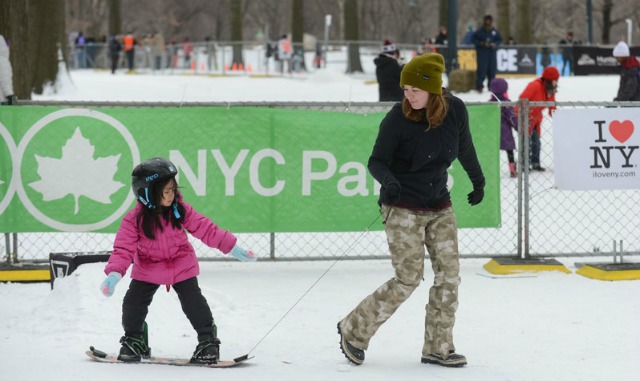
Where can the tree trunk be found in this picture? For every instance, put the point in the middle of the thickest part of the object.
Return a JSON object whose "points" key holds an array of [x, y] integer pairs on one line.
{"points": [[607, 8], [524, 22], [115, 17], [297, 28], [504, 19], [235, 10], [35, 30], [352, 35], [297, 21], [443, 14], [46, 35]]}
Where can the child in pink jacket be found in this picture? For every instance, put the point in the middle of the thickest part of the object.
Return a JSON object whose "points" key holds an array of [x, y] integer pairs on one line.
{"points": [[152, 236]]}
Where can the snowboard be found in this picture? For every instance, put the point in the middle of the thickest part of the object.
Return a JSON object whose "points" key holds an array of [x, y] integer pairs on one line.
{"points": [[100, 356]]}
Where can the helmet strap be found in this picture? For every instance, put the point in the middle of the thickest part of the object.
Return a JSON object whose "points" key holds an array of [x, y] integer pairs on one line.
{"points": [[145, 200], [175, 210]]}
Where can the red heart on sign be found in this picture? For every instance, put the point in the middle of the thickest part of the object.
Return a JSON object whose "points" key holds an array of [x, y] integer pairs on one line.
{"points": [[621, 130]]}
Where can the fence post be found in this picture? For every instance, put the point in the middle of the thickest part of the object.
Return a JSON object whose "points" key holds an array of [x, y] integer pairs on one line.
{"points": [[272, 246], [15, 248], [7, 246], [523, 179]]}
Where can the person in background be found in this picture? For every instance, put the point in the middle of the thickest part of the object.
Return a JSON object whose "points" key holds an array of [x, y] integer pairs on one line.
{"points": [[442, 38], [187, 49], [147, 45], [212, 59], [284, 51], [6, 74], [130, 49], [629, 89], [468, 36], [172, 55], [157, 50], [511, 40], [541, 89], [508, 121], [80, 45], [114, 52], [486, 40], [317, 60], [153, 237], [388, 73], [417, 141], [567, 53]]}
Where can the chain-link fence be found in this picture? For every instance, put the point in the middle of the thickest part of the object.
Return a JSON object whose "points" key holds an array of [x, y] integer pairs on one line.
{"points": [[537, 218], [561, 222]]}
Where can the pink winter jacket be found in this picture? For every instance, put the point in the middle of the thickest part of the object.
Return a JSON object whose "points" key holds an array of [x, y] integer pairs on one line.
{"points": [[169, 258]]}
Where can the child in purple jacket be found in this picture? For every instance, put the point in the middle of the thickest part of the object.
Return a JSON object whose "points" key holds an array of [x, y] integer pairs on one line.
{"points": [[508, 121], [152, 236]]}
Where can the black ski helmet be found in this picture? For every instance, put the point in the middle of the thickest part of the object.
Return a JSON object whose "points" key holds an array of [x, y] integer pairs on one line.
{"points": [[146, 175]]}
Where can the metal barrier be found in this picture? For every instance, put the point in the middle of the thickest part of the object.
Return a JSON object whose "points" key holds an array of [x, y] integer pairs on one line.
{"points": [[537, 219], [216, 57], [578, 223]]}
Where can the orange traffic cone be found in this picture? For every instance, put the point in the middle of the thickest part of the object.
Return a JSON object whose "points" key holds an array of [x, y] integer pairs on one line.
{"points": [[249, 69], [240, 67], [234, 67], [193, 65]]}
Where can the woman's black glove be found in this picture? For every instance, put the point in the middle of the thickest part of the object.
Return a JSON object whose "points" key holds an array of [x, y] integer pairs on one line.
{"points": [[391, 193], [476, 196]]}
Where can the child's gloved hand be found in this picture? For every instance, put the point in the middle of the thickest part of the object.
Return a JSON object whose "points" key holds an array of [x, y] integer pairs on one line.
{"points": [[243, 255], [109, 285]]}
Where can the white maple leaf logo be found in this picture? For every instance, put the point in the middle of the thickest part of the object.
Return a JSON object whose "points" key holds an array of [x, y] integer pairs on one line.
{"points": [[77, 173]]}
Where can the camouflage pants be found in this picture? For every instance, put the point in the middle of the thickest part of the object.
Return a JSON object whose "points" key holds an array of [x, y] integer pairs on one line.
{"points": [[408, 232]]}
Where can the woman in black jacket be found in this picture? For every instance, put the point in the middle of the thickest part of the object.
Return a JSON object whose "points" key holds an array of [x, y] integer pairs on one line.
{"points": [[388, 73], [417, 142]]}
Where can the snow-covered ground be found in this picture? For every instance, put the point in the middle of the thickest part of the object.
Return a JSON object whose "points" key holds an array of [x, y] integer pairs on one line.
{"points": [[550, 326], [326, 85]]}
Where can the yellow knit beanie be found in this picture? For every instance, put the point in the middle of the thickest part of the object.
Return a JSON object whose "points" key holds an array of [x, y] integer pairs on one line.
{"points": [[424, 72]]}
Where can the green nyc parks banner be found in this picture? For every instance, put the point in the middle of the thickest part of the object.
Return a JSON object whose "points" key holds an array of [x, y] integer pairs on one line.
{"points": [[248, 169]]}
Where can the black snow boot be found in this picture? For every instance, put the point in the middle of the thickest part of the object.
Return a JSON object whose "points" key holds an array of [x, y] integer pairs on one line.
{"points": [[207, 352], [352, 353], [453, 360], [133, 349]]}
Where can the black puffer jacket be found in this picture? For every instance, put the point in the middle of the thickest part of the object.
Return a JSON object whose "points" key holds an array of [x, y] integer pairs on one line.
{"points": [[388, 75], [417, 158], [629, 89]]}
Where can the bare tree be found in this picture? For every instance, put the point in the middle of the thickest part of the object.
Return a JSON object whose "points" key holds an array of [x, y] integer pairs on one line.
{"points": [[443, 14], [36, 33], [297, 21], [504, 18], [352, 35], [524, 22], [402, 21], [115, 17], [235, 15], [608, 22], [88, 17]]}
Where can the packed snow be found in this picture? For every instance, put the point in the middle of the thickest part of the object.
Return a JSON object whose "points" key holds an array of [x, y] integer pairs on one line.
{"points": [[545, 326]]}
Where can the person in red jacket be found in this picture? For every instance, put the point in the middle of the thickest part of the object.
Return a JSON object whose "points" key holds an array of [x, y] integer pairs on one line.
{"points": [[541, 89], [629, 89], [153, 238]]}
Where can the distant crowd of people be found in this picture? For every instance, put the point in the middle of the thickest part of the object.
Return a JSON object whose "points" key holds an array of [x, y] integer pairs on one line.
{"points": [[155, 51], [288, 58]]}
